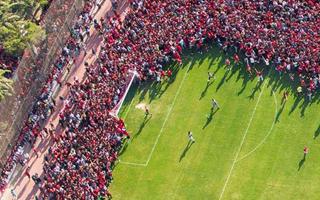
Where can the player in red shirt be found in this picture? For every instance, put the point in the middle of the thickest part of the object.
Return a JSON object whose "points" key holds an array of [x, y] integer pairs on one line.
{"points": [[169, 74], [228, 64], [162, 74], [285, 96], [305, 151], [259, 75], [147, 112], [248, 68], [236, 59]]}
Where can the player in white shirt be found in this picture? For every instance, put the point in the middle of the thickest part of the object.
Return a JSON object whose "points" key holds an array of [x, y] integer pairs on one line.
{"points": [[190, 136], [214, 104]]}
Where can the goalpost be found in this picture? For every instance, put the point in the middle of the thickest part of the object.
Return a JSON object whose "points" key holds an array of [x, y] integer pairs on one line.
{"points": [[115, 111], [132, 75]]}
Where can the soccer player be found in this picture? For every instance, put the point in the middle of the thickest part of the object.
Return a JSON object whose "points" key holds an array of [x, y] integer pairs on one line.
{"points": [[169, 74], [228, 64], [299, 90], [259, 75], [248, 69], [210, 76], [147, 112], [305, 152], [215, 104], [190, 136], [162, 74], [285, 96], [236, 59], [158, 78]]}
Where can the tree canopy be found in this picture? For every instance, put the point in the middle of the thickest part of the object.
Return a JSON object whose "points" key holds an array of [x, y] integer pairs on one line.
{"points": [[5, 84], [18, 29], [18, 25]]}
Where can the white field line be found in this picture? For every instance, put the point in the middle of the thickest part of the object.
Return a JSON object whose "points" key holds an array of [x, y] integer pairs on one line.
{"points": [[269, 132], [134, 164], [163, 125], [168, 114], [125, 115], [242, 142]]}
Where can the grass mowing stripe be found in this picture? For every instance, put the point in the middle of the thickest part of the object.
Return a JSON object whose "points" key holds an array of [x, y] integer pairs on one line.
{"points": [[168, 114], [242, 142]]}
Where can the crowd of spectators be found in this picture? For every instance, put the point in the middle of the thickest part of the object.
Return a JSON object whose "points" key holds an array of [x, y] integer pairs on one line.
{"points": [[45, 104], [280, 34], [80, 164]]}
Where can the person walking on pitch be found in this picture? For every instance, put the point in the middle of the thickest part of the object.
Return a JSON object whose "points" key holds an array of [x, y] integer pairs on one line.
{"points": [[210, 76], [214, 104], [305, 152], [147, 112], [190, 136]]}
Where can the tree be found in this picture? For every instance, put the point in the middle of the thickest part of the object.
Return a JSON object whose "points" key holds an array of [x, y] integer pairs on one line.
{"points": [[5, 84], [16, 31], [23, 8]]}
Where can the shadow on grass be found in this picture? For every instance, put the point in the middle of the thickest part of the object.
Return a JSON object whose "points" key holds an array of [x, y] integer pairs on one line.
{"points": [[301, 162], [204, 92], [210, 117], [146, 119], [244, 76], [169, 81], [255, 89], [280, 112], [295, 104], [186, 149], [222, 80], [155, 90], [316, 133]]}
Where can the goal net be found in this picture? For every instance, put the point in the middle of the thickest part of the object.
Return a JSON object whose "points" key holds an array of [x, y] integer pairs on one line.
{"points": [[132, 75]]}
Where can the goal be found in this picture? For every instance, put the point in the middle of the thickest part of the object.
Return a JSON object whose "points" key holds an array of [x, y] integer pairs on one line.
{"points": [[131, 77]]}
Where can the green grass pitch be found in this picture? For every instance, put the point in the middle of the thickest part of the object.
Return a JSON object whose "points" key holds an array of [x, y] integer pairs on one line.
{"points": [[252, 148]]}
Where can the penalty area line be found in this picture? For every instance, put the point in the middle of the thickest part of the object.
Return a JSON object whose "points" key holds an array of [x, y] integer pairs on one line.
{"points": [[168, 114], [134, 164], [242, 142], [162, 127]]}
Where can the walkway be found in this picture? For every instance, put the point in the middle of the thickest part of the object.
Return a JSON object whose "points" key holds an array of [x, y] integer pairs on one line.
{"points": [[22, 185]]}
